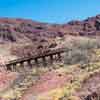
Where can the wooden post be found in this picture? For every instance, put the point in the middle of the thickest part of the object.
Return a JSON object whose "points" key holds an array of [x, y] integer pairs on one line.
{"points": [[59, 56], [9, 67], [21, 64], [21, 69], [13, 67], [44, 61], [29, 63], [17, 66], [51, 59], [36, 62]]}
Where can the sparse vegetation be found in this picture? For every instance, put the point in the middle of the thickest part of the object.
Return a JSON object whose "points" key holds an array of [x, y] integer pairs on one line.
{"points": [[80, 51]]}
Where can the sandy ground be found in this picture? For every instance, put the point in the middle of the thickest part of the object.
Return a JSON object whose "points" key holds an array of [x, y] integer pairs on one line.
{"points": [[49, 81]]}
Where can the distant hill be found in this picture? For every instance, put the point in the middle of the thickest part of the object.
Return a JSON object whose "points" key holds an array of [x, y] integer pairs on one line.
{"points": [[15, 29]]}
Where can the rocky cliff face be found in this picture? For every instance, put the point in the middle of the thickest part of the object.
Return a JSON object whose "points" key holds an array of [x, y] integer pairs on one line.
{"points": [[88, 27], [15, 29]]}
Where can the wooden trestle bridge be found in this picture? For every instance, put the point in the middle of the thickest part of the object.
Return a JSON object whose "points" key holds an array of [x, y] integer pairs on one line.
{"points": [[11, 65]]}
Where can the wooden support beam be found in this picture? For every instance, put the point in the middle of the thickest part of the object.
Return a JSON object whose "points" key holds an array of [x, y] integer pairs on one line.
{"points": [[51, 59], [13, 67], [8, 67], [59, 56], [36, 62], [18, 66], [21, 64], [44, 61], [29, 63]]}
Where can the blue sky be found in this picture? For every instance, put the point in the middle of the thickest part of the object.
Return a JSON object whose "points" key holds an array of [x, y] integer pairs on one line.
{"points": [[52, 11]]}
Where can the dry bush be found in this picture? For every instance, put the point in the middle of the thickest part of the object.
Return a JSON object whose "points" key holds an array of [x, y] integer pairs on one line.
{"points": [[75, 56], [79, 51]]}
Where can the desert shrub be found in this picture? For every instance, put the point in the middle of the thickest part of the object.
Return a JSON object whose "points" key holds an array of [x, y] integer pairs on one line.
{"points": [[87, 44], [79, 51], [98, 42], [75, 56]]}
